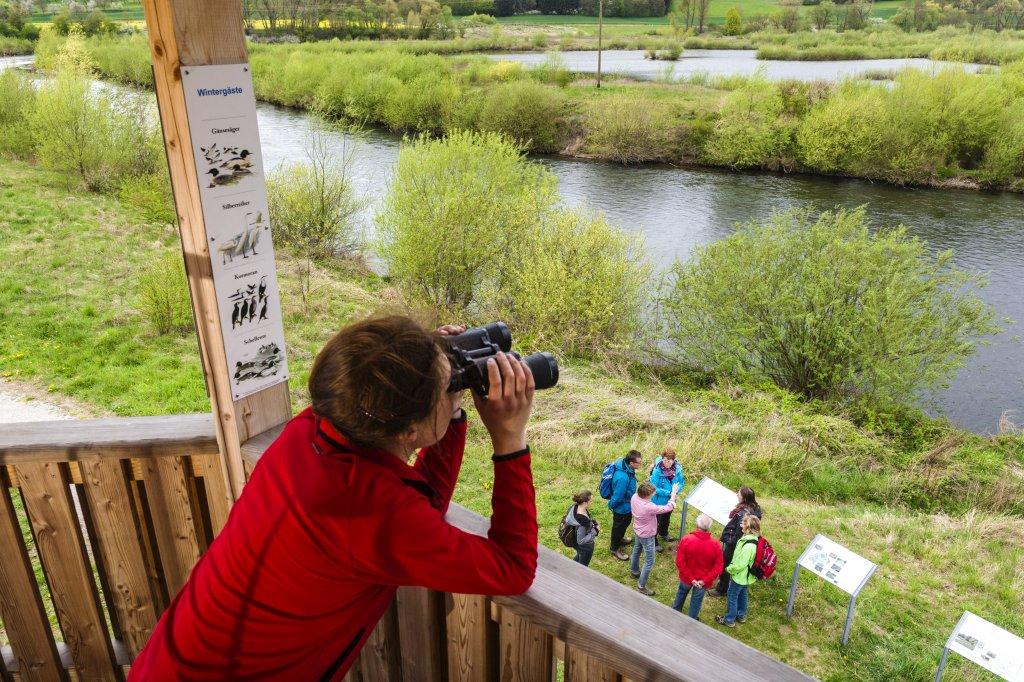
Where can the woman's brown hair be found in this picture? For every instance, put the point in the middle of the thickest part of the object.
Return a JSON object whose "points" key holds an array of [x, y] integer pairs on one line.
{"points": [[582, 497], [376, 378], [645, 490], [751, 525]]}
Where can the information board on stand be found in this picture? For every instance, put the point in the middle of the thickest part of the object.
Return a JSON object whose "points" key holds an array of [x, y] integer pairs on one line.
{"points": [[712, 498], [229, 165], [835, 564], [997, 650]]}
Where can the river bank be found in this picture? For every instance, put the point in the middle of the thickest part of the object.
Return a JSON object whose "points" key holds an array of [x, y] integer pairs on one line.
{"points": [[910, 133], [936, 507]]}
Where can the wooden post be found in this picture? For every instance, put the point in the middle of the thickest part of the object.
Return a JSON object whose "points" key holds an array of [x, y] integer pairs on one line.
{"points": [[192, 33]]}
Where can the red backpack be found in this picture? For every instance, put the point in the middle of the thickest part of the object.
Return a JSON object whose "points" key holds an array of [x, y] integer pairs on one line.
{"points": [[764, 559]]}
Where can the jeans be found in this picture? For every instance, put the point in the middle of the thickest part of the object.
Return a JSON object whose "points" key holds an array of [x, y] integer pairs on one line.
{"points": [[620, 522], [646, 545], [737, 602], [584, 553], [695, 601]]}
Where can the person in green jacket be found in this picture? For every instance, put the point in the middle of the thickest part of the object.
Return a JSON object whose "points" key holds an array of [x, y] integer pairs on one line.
{"points": [[739, 572]]}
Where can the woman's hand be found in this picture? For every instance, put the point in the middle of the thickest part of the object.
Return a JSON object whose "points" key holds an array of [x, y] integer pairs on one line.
{"points": [[506, 409], [456, 399]]}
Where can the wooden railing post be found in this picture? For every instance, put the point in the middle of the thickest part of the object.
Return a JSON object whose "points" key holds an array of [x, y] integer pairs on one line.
{"points": [[184, 33]]}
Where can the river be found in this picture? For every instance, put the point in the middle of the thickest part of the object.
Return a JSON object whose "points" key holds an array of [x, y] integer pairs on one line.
{"points": [[676, 209], [633, 63]]}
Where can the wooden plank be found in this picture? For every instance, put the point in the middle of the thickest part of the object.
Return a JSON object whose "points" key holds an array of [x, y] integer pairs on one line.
{"points": [[472, 643], [526, 651], [117, 538], [582, 668], [78, 439], [21, 607], [172, 516], [380, 659], [421, 633], [192, 33], [63, 554], [218, 500], [147, 536]]}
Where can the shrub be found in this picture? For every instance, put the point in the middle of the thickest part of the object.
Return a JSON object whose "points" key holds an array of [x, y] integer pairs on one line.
{"points": [[553, 71], [754, 129], [151, 195], [163, 297], [456, 213], [820, 305], [90, 136], [17, 101], [428, 104], [529, 113], [838, 134], [1004, 159], [647, 134], [579, 287], [313, 208]]}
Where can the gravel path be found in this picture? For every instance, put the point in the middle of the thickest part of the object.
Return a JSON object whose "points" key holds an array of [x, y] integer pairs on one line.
{"points": [[18, 405]]}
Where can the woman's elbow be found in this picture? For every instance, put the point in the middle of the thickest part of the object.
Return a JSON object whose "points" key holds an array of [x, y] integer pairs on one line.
{"points": [[521, 577]]}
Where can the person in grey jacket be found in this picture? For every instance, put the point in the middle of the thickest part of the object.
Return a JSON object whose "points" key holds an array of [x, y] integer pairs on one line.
{"points": [[586, 527]]}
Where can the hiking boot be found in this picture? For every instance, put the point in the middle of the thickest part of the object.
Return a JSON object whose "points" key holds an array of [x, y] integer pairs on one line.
{"points": [[635, 574], [620, 555], [645, 590], [659, 548], [722, 621], [627, 540], [741, 619], [714, 593]]}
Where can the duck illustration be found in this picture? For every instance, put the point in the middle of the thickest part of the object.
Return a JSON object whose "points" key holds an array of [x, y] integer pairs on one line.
{"points": [[219, 178], [242, 162]]}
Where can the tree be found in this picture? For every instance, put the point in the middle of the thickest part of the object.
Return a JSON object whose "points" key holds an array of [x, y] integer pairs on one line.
{"points": [[733, 22], [819, 305], [821, 14]]}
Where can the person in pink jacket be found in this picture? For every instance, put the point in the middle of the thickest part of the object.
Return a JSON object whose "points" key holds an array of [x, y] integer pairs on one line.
{"points": [[645, 527]]}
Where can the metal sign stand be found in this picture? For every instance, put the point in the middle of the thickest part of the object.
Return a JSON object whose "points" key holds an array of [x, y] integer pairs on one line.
{"points": [[945, 649], [849, 609]]}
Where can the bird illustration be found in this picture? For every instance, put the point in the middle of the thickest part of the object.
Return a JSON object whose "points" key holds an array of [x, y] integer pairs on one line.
{"points": [[242, 162], [252, 309], [245, 311], [234, 314], [251, 289], [219, 179], [263, 310], [263, 286]]}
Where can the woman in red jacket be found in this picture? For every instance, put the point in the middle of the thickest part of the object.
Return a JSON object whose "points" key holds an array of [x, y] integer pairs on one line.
{"points": [[334, 518]]}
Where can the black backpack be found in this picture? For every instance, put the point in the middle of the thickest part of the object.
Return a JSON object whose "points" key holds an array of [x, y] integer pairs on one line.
{"points": [[567, 533]]}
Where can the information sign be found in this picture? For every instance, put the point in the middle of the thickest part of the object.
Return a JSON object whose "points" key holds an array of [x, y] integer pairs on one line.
{"points": [[836, 564], [712, 498], [229, 165], [990, 646]]}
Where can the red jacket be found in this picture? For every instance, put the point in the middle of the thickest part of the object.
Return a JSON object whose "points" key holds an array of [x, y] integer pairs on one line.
{"points": [[699, 557], [315, 547]]}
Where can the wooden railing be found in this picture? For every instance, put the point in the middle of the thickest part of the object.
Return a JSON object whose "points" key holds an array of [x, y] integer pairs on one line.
{"points": [[120, 510]]}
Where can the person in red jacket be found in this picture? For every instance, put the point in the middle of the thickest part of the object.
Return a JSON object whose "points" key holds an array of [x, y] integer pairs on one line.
{"points": [[334, 519], [699, 560]]}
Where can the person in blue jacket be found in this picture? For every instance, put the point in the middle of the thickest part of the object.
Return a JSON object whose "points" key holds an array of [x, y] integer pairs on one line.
{"points": [[666, 473], [623, 487]]}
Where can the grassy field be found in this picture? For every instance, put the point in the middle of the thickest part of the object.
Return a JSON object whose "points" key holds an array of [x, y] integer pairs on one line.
{"points": [[70, 322]]}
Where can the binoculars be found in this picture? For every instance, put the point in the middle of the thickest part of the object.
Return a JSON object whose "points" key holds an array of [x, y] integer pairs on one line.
{"points": [[470, 350]]}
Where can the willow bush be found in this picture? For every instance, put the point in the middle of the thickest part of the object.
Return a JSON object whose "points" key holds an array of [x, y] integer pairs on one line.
{"points": [[471, 228], [823, 307]]}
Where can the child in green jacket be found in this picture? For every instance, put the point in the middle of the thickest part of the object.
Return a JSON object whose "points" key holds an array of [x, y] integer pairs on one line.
{"points": [[739, 571]]}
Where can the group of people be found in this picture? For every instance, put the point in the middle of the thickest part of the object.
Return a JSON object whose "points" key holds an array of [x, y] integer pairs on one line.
{"points": [[700, 559]]}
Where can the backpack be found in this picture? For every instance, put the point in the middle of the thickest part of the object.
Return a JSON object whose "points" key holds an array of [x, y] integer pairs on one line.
{"points": [[567, 533], [606, 481], [764, 559]]}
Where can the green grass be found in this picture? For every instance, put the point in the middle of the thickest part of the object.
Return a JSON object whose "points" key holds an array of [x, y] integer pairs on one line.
{"points": [[69, 321], [15, 46]]}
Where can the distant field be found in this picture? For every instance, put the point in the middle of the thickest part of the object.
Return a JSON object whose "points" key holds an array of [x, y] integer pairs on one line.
{"points": [[716, 15]]}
